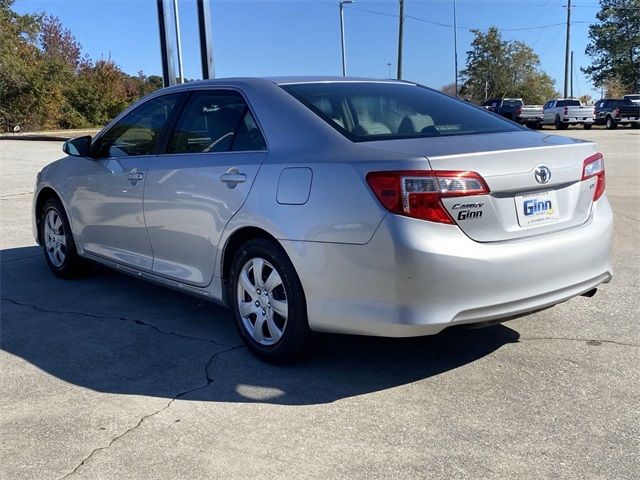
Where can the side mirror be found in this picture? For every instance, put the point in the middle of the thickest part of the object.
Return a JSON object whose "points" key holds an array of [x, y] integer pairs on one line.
{"points": [[78, 147]]}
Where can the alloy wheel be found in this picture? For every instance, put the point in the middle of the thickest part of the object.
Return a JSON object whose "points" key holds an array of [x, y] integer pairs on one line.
{"points": [[55, 238], [262, 301]]}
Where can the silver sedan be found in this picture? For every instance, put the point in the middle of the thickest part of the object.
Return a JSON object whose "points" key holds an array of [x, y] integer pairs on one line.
{"points": [[331, 205]]}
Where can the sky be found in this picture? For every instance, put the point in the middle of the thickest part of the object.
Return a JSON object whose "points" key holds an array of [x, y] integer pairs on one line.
{"points": [[302, 37]]}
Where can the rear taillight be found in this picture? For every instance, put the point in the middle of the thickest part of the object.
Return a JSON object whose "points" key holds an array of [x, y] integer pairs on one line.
{"points": [[566, 111], [594, 167], [616, 112], [418, 193], [519, 111]]}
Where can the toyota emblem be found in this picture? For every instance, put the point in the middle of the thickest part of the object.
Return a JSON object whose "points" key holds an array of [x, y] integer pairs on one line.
{"points": [[542, 174]]}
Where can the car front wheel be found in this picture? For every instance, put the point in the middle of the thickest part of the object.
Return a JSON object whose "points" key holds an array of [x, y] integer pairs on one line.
{"points": [[57, 240], [268, 302]]}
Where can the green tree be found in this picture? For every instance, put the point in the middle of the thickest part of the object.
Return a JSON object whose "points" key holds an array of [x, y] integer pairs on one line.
{"points": [[614, 44], [45, 82], [500, 68], [21, 81]]}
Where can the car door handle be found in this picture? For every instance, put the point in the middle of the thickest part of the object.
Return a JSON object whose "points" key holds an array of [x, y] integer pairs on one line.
{"points": [[233, 177], [134, 176]]}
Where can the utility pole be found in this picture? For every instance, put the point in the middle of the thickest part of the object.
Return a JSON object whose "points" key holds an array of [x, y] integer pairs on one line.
{"points": [[400, 33], [206, 39], [166, 46], [344, 57], [389, 67], [567, 49], [176, 18], [571, 73], [455, 44]]}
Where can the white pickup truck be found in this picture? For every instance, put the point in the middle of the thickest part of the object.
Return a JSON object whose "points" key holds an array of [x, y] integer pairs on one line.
{"points": [[563, 112]]}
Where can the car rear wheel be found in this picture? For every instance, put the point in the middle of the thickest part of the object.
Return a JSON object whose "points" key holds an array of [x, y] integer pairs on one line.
{"points": [[587, 126], [610, 123], [268, 302], [560, 125], [57, 241]]}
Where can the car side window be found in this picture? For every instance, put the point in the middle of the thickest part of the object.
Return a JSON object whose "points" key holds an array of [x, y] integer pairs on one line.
{"points": [[248, 136], [215, 121], [139, 131]]}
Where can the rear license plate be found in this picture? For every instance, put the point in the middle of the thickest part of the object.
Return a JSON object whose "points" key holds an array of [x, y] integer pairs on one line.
{"points": [[537, 208]]}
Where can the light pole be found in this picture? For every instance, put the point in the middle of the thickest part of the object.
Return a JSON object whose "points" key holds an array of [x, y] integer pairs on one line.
{"points": [[389, 67], [400, 38], [455, 45], [176, 18], [344, 58]]}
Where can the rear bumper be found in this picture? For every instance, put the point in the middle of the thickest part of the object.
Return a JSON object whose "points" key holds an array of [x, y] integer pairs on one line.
{"points": [[417, 278], [626, 120], [577, 120]]}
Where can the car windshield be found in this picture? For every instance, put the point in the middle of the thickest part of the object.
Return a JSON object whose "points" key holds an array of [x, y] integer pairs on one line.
{"points": [[364, 111]]}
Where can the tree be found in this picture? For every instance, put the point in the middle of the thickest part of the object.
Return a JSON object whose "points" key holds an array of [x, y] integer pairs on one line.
{"points": [[499, 68], [586, 99], [614, 88], [45, 82], [614, 44], [449, 89]]}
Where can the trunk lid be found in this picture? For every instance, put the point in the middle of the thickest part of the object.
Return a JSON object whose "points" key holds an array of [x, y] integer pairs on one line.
{"points": [[517, 205]]}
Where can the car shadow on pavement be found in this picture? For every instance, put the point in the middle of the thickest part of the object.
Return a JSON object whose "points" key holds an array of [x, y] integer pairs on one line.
{"points": [[112, 333]]}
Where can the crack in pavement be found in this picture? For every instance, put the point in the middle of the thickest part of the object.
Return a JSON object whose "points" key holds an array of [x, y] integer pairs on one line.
{"points": [[20, 258], [209, 381], [123, 319], [626, 216], [15, 195], [589, 341]]}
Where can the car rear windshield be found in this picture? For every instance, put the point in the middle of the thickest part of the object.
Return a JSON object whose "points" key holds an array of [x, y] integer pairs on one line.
{"points": [[512, 102], [364, 111], [568, 103]]}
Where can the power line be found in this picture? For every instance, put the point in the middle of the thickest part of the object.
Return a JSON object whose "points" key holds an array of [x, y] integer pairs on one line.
{"points": [[448, 25]]}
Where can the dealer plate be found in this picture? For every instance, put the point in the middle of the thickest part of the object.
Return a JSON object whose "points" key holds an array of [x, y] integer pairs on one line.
{"points": [[537, 209]]}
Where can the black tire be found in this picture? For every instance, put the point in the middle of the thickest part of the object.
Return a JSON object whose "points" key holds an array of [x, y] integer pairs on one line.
{"points": [[635, 125], [610, 123], [71, 266], [296, 335], [587, 126], [560, 125]]}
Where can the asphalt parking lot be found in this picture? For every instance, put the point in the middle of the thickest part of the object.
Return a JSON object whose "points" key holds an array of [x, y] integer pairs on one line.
{"points": [[109, 377]]}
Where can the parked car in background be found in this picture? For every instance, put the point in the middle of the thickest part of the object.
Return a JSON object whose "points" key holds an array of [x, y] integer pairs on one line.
{"points": [[634, 97], [617, 111], [332, 205], [563, 112], [531, 116], [505, 107], [515, 109]]}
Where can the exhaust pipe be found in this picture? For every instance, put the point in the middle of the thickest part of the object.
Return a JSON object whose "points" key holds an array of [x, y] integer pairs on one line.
{"points": [[590, 293]]}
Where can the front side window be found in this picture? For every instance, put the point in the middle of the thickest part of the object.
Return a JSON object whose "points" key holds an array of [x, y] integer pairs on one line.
{"points": [[364, 111], [215, 121], [139, 131]]}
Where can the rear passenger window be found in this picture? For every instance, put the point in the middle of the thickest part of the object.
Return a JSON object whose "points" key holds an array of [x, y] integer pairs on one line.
{"points": [[215, 121]]}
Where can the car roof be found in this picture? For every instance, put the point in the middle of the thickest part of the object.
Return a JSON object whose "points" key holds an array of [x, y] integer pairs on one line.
{"points": [[284, 80]]}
